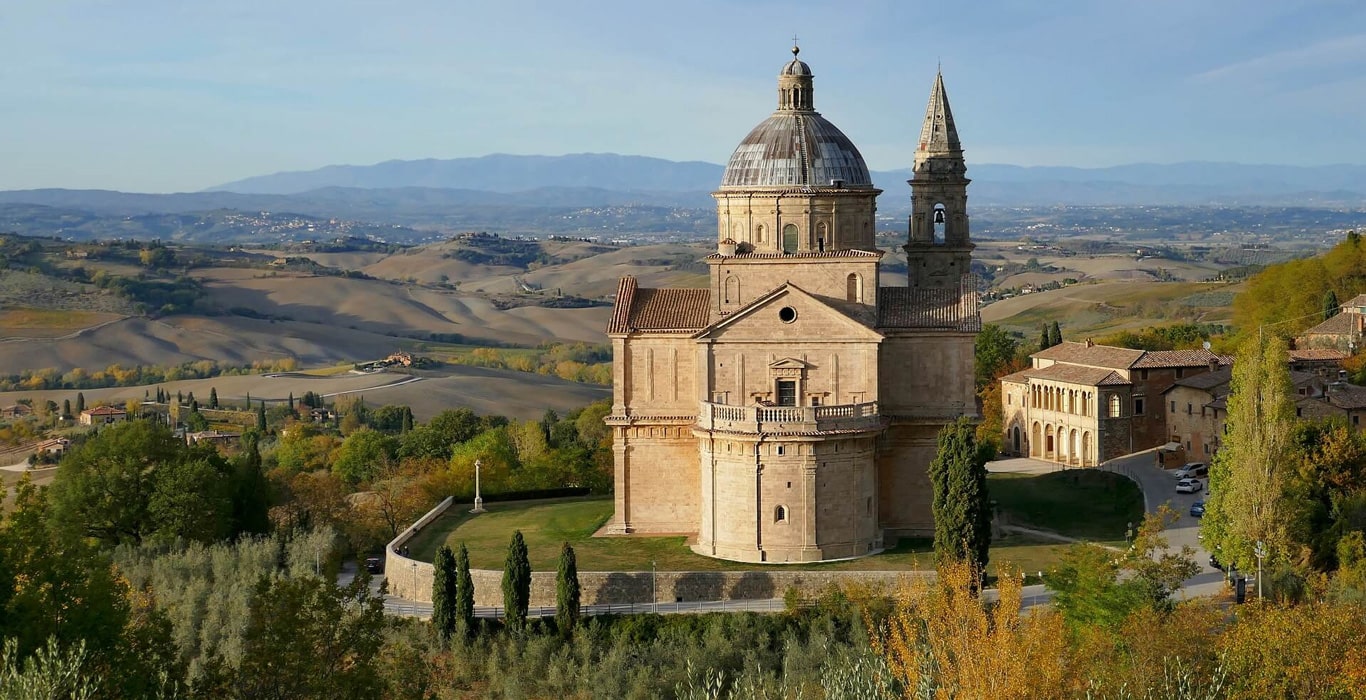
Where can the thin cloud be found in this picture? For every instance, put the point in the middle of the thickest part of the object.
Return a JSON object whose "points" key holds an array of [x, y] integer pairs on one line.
{"points": [[1330, 53]]}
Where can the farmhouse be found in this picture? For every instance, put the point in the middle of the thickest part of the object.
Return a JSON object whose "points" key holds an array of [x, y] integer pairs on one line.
{"points": [[100, 415], [789, 411], [1343, 331], [1080, 404]]}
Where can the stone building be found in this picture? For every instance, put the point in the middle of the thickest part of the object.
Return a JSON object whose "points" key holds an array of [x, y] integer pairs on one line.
{"points": [[1343, 331], [1197, 408], [788, 412], [1081, 403]]}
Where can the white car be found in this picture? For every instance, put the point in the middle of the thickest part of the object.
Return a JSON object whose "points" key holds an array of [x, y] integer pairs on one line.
{"points": [[1188, 486], [1193, 469]]}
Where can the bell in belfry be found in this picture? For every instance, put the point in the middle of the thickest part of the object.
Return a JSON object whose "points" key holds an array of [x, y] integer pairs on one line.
{"points": [[938, 216]]}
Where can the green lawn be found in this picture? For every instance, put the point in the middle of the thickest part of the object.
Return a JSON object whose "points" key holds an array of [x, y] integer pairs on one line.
{"points": [[547, 524], [1082, 503]]}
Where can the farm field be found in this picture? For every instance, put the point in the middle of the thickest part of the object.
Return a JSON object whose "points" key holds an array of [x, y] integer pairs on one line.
{"points": [[546, 525], [21, 322], [1096, 309]]}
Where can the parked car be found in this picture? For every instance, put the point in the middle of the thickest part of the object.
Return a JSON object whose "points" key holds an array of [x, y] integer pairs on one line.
{"points": [[1220, 566], [1188, 486], [374, 565], [1192, 470], [1198, 509]]}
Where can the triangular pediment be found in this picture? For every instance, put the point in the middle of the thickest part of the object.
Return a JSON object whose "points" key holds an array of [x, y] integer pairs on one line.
{"points": [[790, 313], [790, 363]]}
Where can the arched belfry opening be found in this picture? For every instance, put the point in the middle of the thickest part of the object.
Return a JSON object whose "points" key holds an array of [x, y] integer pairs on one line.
{"points": [[940, 223], [854, 287]]}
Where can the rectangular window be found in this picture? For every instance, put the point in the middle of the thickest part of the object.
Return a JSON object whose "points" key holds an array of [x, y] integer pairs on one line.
{"points": [[1173, 407], [1143, 374], [1179, 372], [787, 393], [1188, 409], [1138, 405], [780, 450], [1356, 420]]}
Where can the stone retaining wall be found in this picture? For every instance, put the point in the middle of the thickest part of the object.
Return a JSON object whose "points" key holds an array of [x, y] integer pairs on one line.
{"points": [[412, 580]]}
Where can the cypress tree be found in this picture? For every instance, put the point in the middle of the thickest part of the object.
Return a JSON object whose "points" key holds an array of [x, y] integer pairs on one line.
{"points": [[962, 511], [444, 594], [179, 398], [190, 397], [194, 406], [1043, 337], [66, 408], [1054, 334], [464, 593], [213, 397], [80, 402], [291, 402], [516, 583], [567, 591], [261, 417], [407, 420], [248, 400], [1331, 306], [251, 504]]}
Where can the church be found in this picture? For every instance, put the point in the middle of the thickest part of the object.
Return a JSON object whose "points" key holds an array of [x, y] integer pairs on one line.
{"points": [[789, 411]]}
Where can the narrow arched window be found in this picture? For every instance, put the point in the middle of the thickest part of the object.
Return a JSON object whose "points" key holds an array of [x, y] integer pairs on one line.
{"points": [[780, 514], [759, 233], [853, 287], [732, 295], [1114, 406], [790, 238]]}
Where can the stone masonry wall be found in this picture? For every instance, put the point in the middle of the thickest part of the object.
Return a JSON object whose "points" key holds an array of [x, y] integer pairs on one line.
{"points": [[602, 587]]}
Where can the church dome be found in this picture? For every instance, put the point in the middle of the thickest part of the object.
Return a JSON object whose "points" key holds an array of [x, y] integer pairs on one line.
{"points": [[796, 146]]}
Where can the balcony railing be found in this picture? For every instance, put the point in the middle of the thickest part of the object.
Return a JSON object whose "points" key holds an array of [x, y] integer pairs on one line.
{"points": [[788, 419]]}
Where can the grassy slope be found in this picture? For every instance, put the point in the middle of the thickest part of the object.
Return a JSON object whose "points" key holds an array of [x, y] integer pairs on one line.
{"points": [[547, 524], [1081, 503], [1105, 307]]}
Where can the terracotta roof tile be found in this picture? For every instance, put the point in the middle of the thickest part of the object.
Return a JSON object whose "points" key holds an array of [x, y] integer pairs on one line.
{"points": [[1077, 374], [1091, 355], [909, 307], [1347, 396], [1179, 358], [848, 253], [1345, 323], [659, 310], [1356, 301]]}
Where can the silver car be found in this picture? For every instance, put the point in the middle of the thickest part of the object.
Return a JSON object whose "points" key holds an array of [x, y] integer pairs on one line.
{"points": [[1188, 486]]}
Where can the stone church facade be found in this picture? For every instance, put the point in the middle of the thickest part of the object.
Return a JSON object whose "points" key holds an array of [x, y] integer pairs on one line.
{"points": [[789, 411]]}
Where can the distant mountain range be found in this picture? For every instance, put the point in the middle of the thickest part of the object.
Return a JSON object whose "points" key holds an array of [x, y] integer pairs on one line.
{"points": [[608, 194], [586, 175]]}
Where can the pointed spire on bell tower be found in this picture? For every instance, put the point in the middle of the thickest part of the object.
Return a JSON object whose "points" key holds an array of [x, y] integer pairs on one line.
{"points": [[939, 252], [939, 135]]}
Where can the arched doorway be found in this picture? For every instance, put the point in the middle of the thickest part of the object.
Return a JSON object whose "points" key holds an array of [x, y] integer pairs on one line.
{"points": [[1035, 442], [1016, 439], [1048, 448], [1072, 455], [1086, 458]]}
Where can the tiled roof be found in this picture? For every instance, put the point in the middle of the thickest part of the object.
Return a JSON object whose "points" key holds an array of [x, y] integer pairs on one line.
{"points": [[1207, 380], [1317, 354], [1342, 324], [104, 411], [1021, 377], [1179, 358], [659, 310], [911, 307], [1358, 300], [1076, 374], [1347, 396], [1091, 355]]}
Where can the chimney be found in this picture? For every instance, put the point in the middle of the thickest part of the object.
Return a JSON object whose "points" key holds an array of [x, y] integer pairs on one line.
{"points": [[1342, 375], [1214, 363], [726, 247]]}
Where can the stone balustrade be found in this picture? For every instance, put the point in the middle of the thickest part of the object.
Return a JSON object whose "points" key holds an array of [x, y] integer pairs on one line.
{"points": [[789, 419]]}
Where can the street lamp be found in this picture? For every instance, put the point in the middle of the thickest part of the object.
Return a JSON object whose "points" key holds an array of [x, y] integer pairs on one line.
{"points": [[654, 602], [1260, 551], [478, 501]]}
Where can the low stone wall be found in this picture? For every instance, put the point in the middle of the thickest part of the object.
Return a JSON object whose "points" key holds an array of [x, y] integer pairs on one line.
{"points": [[412, 579], [407, 577], [601, 587]]}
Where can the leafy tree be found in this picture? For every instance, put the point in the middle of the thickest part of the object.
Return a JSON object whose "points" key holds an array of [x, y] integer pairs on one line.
{"points": [[1331, 305], [363, 455], [136, 479], [1247, 503], [308, 638], [1054, 334], [51, 672], [388, 419], [80, 402], [441, 434], [444, 593], [962, 511], [213, 397], [994, 352], [464, 594], [516, 583], [567, 591], [251, 502]]}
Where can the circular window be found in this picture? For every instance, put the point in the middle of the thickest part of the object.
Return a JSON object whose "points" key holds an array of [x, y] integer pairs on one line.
{"points": [[787, 314]]}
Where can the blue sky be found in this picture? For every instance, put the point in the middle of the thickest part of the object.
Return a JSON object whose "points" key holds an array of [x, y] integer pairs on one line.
{"points": [[176, 95]]}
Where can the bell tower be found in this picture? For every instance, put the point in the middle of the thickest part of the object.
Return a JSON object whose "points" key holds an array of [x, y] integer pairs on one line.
{"points": [[939, 251]]}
